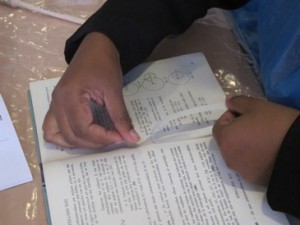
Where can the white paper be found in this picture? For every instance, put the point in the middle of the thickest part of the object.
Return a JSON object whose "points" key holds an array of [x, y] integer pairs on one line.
{"points": [[175, 183], [171, 93], [14, 169]]}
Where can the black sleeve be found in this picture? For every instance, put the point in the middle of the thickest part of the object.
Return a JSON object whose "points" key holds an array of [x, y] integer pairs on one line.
{"points": [[136, 26], [284, 188]]}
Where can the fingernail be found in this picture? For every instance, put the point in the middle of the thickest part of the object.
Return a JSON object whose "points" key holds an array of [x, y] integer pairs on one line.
{"points": [[229, 96], [134, 135]]}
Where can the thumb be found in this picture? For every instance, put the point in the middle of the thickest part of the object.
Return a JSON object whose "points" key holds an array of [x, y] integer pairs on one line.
{"points": [[239, 104], [121, 119]]}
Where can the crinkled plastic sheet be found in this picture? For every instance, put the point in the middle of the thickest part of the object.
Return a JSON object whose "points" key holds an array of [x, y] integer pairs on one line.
{"points": [[76, 11], [31, 48]]}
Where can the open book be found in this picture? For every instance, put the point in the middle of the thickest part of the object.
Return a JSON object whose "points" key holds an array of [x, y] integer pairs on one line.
{"points": [[176, 175]]}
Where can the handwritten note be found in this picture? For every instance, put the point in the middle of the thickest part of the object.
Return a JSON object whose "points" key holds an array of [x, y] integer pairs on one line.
{"points": [[14, 169]]}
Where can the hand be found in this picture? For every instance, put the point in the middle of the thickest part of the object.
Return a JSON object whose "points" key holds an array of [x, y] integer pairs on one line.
{"points": [[250, 134], [94, 74]]}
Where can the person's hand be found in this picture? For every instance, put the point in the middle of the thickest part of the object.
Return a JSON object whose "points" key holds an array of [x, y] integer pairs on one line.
{"points": [[94, 74], [249, 135]]}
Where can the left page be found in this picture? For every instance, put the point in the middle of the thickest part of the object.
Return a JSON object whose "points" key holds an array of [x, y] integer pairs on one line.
{"points": [[175, 183], [14, 169], [164, 98]]}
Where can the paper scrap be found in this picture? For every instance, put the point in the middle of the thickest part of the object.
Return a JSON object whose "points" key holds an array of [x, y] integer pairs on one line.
{"points": [[14, 169]]}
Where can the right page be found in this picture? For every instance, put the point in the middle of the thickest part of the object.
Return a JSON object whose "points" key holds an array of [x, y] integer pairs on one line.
{"points": [[176, 183]]}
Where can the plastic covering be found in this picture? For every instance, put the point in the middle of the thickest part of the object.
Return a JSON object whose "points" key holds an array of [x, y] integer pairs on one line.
{"points": [[31, 48], [76, 11], [271, 33], [213, 35]]}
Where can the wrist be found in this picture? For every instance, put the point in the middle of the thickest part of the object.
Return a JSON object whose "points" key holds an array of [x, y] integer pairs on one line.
{"points": [[99, 44], [97, 51]]}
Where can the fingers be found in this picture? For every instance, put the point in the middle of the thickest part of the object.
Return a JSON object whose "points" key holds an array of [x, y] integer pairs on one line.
{"points": [[72, 124], [94, 137], [121, 119], [77, 129], [239, 107], [240, 104], [85, 131], [220, 125], [52, 133]]}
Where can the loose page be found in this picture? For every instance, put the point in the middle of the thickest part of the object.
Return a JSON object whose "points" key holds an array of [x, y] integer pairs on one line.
{"points": [[171, 87], [14, 169], [180, 183], [170, 96]]}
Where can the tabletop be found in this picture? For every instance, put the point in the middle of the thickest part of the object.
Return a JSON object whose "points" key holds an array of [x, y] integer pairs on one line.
{"points": [[31, 48]]}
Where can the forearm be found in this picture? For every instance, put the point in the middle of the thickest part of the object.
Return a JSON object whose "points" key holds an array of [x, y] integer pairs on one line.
{"points": [[283, 192], [136, 27]]}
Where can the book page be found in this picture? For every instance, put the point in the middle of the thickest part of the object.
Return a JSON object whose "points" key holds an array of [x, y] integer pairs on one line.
{"points": [[154, 92], [179, 183], [173, 87]]}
